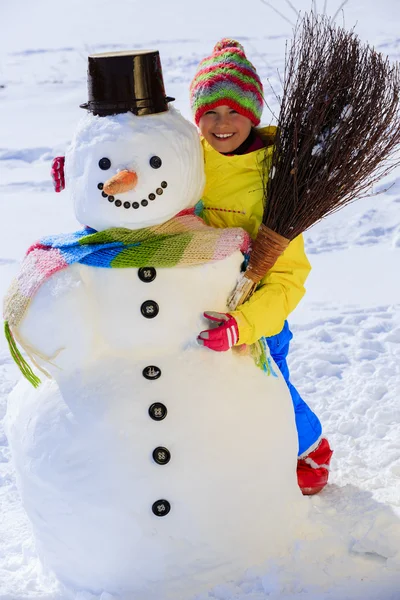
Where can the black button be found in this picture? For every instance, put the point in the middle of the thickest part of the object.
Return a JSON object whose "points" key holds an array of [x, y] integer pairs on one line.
{"points": [[155, 162], [161, 455], [144, 203], [127, 204], [135, 204], [118, 203], [111, 198], [104, 163], [104, 195], [100, 186], [164, 184], [149, 309], [161, 508], [159, 191], [151, 372], [158, 411], [152, 196], [147, 274]]}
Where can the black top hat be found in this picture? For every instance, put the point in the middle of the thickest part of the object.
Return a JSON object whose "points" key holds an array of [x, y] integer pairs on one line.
{"points": [[119, 82]]}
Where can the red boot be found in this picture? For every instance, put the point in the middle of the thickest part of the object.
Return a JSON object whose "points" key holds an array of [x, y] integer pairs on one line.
{"points": [[313, 469]]}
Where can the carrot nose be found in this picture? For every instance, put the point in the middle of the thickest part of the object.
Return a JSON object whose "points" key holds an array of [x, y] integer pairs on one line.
{"points": [[120, 182]]}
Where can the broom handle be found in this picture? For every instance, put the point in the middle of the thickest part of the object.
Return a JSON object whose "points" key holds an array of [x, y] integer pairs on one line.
{"points": [[267, 248]]}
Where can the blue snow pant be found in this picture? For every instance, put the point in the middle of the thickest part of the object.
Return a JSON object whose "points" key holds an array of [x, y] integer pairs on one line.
{"points": [[308, 425]]}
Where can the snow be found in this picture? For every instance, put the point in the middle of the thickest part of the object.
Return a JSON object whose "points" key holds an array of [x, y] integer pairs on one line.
{"points": [[345, 355]]}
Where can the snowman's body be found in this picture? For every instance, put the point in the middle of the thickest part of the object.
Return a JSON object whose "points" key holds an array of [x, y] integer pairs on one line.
{"points": [[150, 464]]}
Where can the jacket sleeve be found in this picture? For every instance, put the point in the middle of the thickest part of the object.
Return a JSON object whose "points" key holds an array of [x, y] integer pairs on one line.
{"points": [[279, 293]]}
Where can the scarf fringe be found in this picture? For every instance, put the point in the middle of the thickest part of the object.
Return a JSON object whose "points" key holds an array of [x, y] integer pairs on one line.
{"points": [[23, 366], [260, 353]]}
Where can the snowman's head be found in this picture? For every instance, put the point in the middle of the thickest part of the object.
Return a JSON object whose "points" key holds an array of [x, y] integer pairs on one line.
{"points": [[134, 171]]}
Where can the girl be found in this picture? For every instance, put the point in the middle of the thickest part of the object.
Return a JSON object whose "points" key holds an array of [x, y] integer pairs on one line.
{"points": [[227, 100]]}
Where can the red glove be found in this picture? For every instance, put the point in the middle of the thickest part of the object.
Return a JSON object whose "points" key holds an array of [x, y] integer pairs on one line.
{"points": [[57, 173], [222, 337]]}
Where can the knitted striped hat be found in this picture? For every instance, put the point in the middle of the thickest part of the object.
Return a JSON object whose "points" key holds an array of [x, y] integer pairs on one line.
{"points": [[227, 78]]}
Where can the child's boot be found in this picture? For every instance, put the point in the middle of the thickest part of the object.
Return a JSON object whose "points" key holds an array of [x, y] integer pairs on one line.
{"points": [[313, 469]]}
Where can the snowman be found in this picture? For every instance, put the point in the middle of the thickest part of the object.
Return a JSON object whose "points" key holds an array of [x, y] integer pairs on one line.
{"points": [[148, 465]]}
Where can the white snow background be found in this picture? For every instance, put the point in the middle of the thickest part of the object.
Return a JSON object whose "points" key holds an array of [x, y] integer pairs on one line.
{"points": [[345, 357]]}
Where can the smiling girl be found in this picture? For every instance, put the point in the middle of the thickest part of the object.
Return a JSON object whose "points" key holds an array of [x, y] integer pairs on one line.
{"points": [[227, 101]]}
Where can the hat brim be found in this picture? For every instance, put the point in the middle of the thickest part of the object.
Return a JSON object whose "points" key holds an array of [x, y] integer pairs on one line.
{"points": [[139, 108]]}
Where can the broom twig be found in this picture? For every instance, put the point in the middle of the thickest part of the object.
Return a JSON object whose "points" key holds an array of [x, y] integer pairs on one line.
{"points": [[278, 12], [338, 131], [339, 9]]}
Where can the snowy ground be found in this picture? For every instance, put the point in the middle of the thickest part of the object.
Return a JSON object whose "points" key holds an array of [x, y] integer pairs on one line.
{"points": [[346, 355]]}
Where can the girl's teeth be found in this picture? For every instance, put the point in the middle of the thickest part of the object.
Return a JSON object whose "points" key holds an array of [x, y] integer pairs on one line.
{"points": [[223, 135]]}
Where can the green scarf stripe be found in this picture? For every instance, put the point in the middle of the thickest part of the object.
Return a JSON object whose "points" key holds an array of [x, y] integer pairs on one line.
{"points": [[179, 247], [227, 93], [115, 234], [157, 252], [204, 77]]}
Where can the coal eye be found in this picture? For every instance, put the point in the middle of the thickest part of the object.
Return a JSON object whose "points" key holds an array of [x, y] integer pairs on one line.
{"points": [[104, 163], [155, 162]]}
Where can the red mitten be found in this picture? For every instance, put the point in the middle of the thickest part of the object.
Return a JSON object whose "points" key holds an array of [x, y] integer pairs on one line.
{"points": [[222, 337], [57, 173]]}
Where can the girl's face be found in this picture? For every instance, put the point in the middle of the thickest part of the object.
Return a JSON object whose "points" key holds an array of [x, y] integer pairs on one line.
{"points": [[224, 128]]}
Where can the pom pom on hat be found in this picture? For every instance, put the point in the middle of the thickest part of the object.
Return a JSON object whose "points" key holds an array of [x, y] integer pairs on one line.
{"points": [[227, 77], [227, 43]]}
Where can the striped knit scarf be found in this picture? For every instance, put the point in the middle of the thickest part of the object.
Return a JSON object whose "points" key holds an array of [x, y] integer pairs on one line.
{"points": [[185, 240]]}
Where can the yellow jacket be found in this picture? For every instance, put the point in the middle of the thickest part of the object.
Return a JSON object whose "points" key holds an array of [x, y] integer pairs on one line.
{"points": [[233, 197]]}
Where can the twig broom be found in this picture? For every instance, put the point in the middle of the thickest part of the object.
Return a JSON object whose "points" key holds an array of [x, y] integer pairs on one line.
{"points": [[338, 130]]}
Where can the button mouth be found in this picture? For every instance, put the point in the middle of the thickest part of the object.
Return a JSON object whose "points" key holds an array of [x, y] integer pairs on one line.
{"points": [[112, 198]]}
